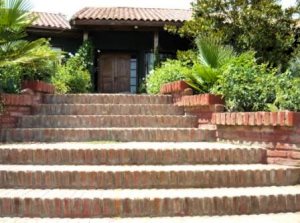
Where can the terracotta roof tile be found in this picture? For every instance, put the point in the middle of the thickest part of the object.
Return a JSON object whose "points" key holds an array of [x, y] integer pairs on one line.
{"points": [[133, 14], [50, 20]]}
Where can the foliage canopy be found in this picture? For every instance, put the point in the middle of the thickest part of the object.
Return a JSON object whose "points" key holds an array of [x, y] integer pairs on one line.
{"points": [[259, 25]]}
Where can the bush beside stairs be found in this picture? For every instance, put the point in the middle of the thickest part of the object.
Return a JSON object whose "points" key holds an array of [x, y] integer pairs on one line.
{"points": [[161, 168]]}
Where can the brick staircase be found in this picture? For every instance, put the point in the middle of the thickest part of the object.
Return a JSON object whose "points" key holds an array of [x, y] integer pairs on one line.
{"points": [[175, 178], [107, 118]]}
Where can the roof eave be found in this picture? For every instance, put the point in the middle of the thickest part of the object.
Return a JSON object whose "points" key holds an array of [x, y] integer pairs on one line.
{"points": [[98, 22], [37, 27]]}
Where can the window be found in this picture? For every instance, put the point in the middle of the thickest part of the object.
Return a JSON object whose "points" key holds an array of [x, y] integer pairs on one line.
{"points": [[149, 62], [133, 75], [150, 59]]}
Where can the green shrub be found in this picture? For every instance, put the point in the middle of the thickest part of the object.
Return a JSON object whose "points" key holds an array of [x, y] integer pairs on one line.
{"points": [[171, 70], [245, 85], [12, 74], [61, 79], [79, 76], [85, 56], [287, 92], [73, 76], [188, 57], [10, 79], [42, 70]]}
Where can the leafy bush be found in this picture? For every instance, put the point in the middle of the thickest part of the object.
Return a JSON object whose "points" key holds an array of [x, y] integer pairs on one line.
{"points": [[171, 70], [12, 74], [10, 79], [42, 69], [247, 86], [19, 58], [188, 57], [287, 92], [86, 55], [73, 76]]}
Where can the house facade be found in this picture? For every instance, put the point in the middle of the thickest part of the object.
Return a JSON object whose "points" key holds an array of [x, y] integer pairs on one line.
{"points": [[126, 41]]}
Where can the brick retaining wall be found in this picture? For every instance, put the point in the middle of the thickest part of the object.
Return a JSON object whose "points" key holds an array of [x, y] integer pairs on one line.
{"points": [[17, 105], [203, 105], [277, 131]]}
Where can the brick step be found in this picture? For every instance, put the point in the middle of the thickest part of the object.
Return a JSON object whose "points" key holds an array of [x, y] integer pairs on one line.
{"points": [[106, 134], [146, 177], [262, 218], [107, 99], [96, 121], [130, 154], [148, 203], [107, 109]]}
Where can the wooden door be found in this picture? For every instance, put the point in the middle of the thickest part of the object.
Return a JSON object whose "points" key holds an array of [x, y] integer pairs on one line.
{"points": [[114, 73]]}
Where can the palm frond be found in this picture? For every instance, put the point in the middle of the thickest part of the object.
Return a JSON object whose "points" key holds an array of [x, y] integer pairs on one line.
{"points": [[24, 52], [212, 53], [18, 12], [14, 19], [208, 51], [212, 56]]}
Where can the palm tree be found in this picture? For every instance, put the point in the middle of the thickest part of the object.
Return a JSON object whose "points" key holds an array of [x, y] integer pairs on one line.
{"points": [[14, 19], [212, 56]]}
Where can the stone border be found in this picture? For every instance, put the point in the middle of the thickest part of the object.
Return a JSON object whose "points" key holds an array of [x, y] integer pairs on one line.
{"points": [[286, 118]]}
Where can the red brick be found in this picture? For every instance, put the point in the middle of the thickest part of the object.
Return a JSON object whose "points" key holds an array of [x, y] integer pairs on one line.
{"points": [[251, 118], [258, 118], [267, 119], [223, 119], [295, 154], [239, 117], [218, 118], [277, 153], [298, 202], [291, 203], [6, 207], [290, 119], [245, 118], [76, 208], [281, 118], [58, 207], [228, 118], [272, 204], [274, 118], [233, 118], [173, 87]]}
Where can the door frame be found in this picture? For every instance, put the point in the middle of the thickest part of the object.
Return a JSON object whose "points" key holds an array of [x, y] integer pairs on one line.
{"points": [[99, 80]]}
